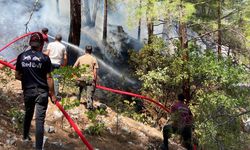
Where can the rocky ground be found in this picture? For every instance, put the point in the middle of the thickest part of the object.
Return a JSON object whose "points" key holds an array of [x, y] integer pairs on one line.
{"points": [[120, 132]]}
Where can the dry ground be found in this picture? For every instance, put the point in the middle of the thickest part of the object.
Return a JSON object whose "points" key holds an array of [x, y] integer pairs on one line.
{"points": [[121, 133]]}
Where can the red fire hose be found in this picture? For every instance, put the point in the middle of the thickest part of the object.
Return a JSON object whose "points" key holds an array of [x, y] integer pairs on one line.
{"points": [[16, 39], [134, 95], [13, 60], [63, 111], [98, 86], [74, 126], [8, 64]]}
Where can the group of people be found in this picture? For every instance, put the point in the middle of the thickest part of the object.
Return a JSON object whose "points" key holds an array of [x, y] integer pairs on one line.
{"points": [[34, 67]]}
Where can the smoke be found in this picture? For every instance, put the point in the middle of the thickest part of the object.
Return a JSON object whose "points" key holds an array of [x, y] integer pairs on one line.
{"points": [[15, 14], [10, 24], [56, 21]]}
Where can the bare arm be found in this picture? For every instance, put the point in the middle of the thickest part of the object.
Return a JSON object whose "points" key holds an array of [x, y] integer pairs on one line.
{"points": [[51, 87], [65, 59], [95, 74], [47, 52], [96, 66], [76, 64], [18, 75]]}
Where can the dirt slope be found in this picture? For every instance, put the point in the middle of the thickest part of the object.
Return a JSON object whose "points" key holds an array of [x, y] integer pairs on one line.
{"points": [[121, 132]]}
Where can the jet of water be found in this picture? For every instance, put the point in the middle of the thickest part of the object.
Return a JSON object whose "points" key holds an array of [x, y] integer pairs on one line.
{"points": [[107, 66]]}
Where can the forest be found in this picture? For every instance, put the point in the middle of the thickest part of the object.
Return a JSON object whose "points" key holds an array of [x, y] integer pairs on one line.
{"points": [[200, 48]]}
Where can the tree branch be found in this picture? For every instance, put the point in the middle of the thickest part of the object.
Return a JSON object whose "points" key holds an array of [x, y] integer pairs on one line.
{"points": [[229, 14], [31, 14], [159, 24], [243, 113]]}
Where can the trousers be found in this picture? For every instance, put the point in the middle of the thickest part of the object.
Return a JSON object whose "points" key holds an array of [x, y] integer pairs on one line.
{"points": [[89, 88], [35, 98], [185, 132], [56, 79]]}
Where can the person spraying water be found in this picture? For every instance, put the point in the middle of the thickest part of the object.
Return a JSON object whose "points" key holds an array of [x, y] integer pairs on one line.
{"points": [[58, 55], [87, 80]]}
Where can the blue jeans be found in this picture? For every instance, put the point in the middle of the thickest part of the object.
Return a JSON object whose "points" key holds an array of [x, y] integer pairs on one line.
{"points": [[35, 98]]}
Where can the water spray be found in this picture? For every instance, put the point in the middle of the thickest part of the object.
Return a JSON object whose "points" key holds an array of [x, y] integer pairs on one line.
{"points": [[110, 68]]}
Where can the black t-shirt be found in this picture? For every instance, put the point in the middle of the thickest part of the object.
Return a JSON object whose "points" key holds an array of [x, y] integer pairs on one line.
{"points": [[34, 66]]}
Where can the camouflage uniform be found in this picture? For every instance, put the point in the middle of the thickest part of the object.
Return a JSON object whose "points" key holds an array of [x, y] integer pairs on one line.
{"points": [[87, 80]]}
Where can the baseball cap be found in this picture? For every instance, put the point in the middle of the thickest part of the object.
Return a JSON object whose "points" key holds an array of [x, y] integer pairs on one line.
{"points": [[36, 40]]}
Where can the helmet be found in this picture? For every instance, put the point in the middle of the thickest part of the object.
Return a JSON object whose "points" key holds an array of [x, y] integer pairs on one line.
{"points": [[36, 40]]}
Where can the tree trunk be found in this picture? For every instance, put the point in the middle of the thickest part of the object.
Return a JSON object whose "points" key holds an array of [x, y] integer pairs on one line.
{"points": [[139, 26], [219, 42], [94, 14], [57, 7], [150, 24], [86, 13], [228, 52], [105, 21], [139, 30], [184, 45], [75, 28], [166, 29], [183, 39], [75, 22]]}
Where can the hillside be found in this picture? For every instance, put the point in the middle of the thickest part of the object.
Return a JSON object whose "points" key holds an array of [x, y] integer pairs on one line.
{"points": [[120, 132]]}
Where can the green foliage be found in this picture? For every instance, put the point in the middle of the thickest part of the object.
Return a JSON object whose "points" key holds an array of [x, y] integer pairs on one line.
{"points": [[215, 87], [69, 74], [67, 79], [129, 110], [155, 10], [69, 104], [158, 70], [6, 73], [217, 124], [17, 117], [96, 127], [218, 99], [234, 23], [16, 113], [151, 56]]}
